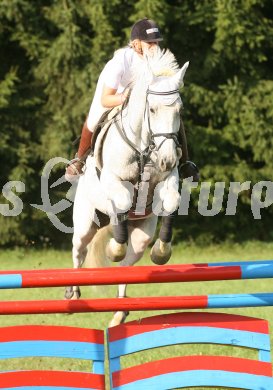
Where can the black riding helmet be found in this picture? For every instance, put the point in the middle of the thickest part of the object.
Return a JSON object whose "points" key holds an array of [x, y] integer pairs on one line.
{"points": [[146, 30]]}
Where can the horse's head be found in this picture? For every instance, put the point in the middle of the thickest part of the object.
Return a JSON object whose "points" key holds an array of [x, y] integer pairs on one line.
{"points": [[163, 107]]}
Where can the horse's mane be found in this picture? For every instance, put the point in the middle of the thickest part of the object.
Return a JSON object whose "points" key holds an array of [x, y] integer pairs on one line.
{"points": [[162, 62]]}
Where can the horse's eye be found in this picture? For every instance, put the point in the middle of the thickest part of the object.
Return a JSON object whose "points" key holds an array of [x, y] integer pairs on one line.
{"points": [[152, 110]]}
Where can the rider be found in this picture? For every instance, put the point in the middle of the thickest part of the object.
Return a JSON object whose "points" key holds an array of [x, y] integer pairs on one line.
{"points": [[111, 87], [111, 90]]}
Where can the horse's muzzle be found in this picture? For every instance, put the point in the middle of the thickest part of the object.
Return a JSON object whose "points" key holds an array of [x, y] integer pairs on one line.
{"points": [[166, 164]]}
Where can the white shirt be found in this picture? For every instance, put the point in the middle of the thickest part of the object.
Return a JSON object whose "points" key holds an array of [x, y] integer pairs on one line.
{"points": [[117, 74]]}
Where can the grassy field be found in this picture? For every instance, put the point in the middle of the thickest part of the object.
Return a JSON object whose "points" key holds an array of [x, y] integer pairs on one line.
{"points": [[182, 254]]}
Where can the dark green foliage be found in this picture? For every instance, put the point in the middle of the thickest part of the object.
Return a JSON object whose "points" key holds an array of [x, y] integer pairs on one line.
{"points": [[51, 55]]}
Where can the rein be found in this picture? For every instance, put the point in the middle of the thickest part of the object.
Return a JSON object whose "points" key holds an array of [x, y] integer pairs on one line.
{"points": [[143, 155]]}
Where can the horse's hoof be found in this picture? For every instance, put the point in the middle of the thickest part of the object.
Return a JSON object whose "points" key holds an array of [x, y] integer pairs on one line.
{"points": [[72, 293], [115, 251], [161, 252], [119, 318]]}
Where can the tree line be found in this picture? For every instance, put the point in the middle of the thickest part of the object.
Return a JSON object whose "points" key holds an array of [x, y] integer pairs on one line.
{"points": [[52, 52]]}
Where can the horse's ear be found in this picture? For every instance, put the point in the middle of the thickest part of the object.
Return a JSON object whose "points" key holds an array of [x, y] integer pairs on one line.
{"points": [[179, 76]]}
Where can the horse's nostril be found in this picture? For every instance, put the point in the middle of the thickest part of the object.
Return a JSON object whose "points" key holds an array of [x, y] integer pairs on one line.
{"points": [[163, 165], [166, 165]]}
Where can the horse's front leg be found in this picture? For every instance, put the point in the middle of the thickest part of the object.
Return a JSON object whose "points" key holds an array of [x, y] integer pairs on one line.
{"points": [[120, 201], [141, 233], [166, 201], [162, 249], [169, 192]]}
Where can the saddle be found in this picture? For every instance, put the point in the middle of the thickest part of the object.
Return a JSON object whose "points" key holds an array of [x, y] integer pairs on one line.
{"points": [[100, 133], [105, 119]]}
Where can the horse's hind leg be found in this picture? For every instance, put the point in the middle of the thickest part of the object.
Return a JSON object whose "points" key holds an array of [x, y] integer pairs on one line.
{"points": [[141, 233], [85, 222], [79, 251], [120, 316]]}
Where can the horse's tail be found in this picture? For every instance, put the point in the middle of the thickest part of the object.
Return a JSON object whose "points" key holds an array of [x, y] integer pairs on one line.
{"points": [[96, 256], [96, 253]]}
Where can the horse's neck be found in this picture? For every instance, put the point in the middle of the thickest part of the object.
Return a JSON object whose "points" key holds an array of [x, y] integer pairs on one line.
{"points": [[136, 108]]}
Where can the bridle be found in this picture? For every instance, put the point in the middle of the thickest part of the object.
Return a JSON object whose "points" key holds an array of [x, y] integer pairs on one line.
{"points": [[144, 155], [166, 136]]}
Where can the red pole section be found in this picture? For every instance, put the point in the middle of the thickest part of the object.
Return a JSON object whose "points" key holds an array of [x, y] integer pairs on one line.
{"points": [[122, 275], [136, 304], [102, 305]]}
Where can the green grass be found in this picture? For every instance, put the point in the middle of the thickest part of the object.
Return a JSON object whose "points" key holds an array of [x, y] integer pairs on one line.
{"points": [[182, 254]]}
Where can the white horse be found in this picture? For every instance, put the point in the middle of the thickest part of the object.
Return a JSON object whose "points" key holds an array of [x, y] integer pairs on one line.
{"points": [[138, 172]]}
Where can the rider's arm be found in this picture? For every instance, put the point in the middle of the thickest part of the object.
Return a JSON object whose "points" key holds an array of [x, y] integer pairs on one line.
{"points": [[112, 76], [110, 98]]}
